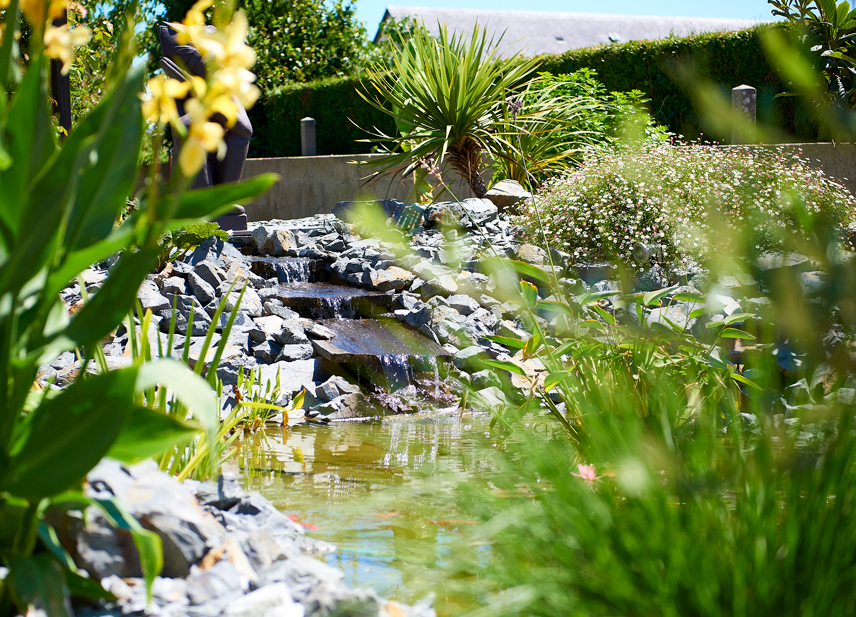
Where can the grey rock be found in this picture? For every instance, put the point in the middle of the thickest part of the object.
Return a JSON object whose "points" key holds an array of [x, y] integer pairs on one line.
{"points": [[259, 236], [506, 193], [213, 249], [478, 211], [251, 303], [164, 506], [293, 353], [333, 388], [419, 316], [201, 289], [485, 379], [280, 311], [150, 298], [489, 399], [174, 285], [267, 351], [319, 588], [269, 327], [463, 304], [291, 333], [269, 601], [293, 376], [222, 579], [532, 254], [210, 273], [469, 358], [317, 331], [392, 278], [222, 493]]}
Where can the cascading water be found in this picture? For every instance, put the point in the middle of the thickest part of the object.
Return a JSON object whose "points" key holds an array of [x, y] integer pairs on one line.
{"points": [[295, 270]]}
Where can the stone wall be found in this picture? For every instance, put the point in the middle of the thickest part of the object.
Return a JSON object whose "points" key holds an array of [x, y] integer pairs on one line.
{"points": [[313, 184]]}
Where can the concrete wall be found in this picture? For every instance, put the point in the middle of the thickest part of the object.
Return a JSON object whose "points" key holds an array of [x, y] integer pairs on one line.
{"points": [[312, 185]]}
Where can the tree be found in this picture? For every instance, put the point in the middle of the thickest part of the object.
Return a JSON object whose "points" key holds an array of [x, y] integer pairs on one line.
{"points": [[300, 40]]}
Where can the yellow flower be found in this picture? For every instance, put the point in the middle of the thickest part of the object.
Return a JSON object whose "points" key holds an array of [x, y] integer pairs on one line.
{"points": [[60, 42], [202, 137], [39, 12], [4, 4], [160, 105]]}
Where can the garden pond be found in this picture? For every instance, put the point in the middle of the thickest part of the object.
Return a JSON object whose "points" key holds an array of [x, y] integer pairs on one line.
{"points": [[399, 497]]}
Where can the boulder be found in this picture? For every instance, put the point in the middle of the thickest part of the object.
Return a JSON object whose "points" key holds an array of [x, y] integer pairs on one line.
{"points": [[478, 211], [150, 297], [293, 353], [507, 193], [210, 272], [392, 278], [203, 291]]}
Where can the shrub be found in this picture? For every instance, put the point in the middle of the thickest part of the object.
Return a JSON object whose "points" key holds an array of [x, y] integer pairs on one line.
{"points": [[673, 198]]}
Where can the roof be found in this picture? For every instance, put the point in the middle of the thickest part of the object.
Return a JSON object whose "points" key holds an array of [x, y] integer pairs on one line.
{"points": [[536, 32]]}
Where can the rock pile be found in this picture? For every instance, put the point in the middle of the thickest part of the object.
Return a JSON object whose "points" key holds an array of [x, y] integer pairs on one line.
{"points": [[227, 553]]}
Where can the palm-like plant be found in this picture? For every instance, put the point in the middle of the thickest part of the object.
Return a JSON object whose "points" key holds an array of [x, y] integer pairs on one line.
{"points": [[448, 97]]}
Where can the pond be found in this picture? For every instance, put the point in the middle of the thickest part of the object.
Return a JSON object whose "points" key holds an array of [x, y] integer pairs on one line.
{"points": [[398, 497]]}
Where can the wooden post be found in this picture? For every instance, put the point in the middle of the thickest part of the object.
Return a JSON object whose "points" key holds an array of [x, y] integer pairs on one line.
{"points": [[61, 86]]}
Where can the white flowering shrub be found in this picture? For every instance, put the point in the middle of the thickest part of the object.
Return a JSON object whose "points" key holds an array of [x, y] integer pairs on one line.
{"points": [[685, 202]]}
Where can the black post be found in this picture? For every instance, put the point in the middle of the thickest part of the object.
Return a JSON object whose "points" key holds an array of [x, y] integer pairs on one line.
{"points": [[61, 86]]}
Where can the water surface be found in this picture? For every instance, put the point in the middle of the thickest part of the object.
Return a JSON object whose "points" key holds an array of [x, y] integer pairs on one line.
{"points": [[394, 496]]}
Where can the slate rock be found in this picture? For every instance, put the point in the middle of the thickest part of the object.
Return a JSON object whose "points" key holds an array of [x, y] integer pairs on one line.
{"points": [[293, 353], [223, 493], [463, 304], [269, 601], [150, 297], [469, 358], [507, 193], [532, 254], [210, 272], [174, 285], [391, 278], [164, 506], [201, 289]]}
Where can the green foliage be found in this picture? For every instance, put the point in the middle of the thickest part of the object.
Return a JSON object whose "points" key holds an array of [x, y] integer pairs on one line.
{"points": [[58, 215], [685, 202], [826, 28], [448, 97], [294, 41], [580, 113], [674, 475], [725, 59], [185, 239]]}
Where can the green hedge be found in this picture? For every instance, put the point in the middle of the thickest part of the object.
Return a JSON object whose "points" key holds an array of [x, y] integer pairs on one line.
{"points": [[729, 59], [332, 102]]}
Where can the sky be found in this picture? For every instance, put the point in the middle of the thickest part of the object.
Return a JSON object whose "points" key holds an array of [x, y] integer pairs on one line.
{"points": [[370, 12]]}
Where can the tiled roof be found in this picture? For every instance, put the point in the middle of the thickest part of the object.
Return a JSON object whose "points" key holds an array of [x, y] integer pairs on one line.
{"points": [[536, 32]]}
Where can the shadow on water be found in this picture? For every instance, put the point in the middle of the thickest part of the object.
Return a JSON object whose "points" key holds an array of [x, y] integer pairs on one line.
{"points": [[394, 496]]}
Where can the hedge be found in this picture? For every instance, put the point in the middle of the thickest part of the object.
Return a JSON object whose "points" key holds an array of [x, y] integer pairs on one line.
{"points": [[729, 59], [332, 102]]}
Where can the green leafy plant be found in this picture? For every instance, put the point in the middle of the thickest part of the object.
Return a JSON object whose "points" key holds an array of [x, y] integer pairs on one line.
{"points": [[180, 241], [827, 28], [58, 209], [447, 96]]}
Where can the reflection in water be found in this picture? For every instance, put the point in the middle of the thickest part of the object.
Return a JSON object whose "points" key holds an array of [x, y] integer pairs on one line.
{"points": [[391, 495]]}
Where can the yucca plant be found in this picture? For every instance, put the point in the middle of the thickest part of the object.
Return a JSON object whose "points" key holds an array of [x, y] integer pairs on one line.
{"points": [[448, 97]]}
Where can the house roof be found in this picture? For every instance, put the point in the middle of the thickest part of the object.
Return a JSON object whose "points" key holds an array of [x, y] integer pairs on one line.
{"points": [[535, 32]]}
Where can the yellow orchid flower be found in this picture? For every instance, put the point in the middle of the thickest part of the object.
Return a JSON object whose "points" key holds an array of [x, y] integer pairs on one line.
{"points": [[160, 105], [60, 42]]}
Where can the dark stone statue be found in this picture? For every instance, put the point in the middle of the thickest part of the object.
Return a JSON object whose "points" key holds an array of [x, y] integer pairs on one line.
{"points": [[178, 62]]}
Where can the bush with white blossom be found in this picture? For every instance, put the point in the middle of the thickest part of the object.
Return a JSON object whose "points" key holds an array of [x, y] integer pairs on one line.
{"points": [[685, 202]]}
